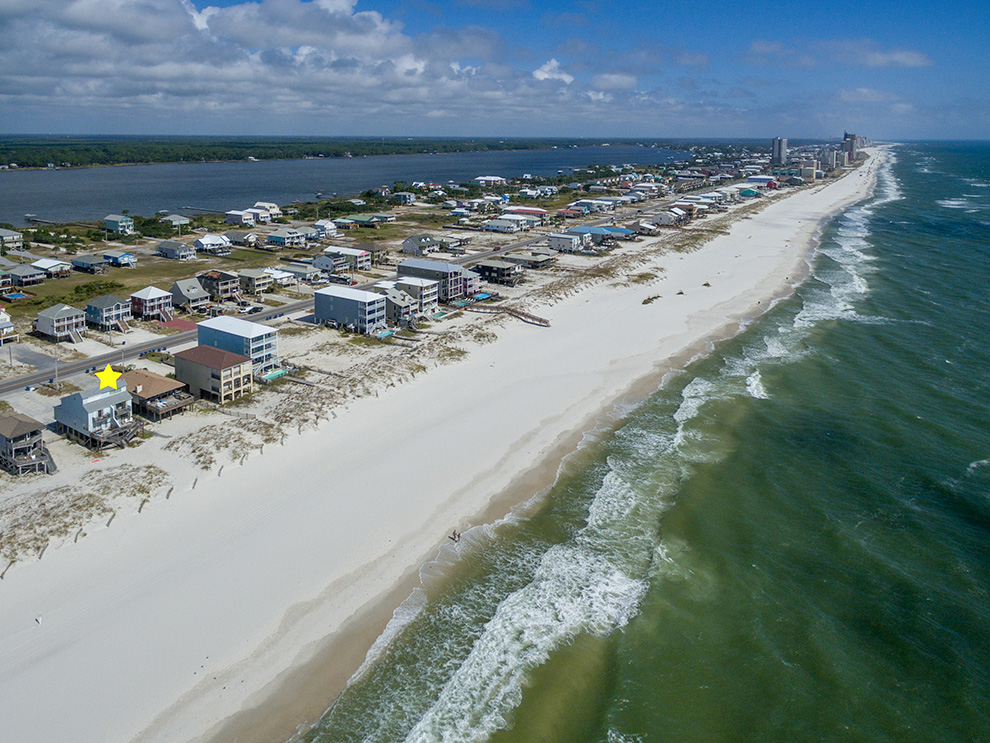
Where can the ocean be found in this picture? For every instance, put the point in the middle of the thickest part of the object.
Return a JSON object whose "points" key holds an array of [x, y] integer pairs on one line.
{"points": [[787, 541], [92, 193]]}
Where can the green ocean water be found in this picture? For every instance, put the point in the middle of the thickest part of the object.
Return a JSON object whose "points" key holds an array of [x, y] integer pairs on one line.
{"points": [[787, 542]]}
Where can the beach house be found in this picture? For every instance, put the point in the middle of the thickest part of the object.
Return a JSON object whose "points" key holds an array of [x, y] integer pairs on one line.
{"points": [[120, 258], [245, 239], [425, 292], [176, 221], [358, 310], [190, 295], [213, 244], [421, 245], [155, 396], [108, 312], [8, 334], [450, 276], [118, 224], [90, 263], [255, 280], [258, 342], [24, 274], [22, 449], [499, 272], [325, 228], [236, 216], [175, 250], [272, 209], [358, 260], [152, 303], [61, 322], [261, 216], [220, 285], [286, 237], [565, 242], [214, 374], [10, 239], [98, 418], [54, 269]]}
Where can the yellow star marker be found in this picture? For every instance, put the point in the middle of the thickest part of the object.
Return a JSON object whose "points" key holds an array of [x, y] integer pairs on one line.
{"points": [[108, 377]]}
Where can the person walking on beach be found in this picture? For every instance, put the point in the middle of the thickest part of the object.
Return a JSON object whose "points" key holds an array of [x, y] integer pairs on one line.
{"points": [[454, 537]]}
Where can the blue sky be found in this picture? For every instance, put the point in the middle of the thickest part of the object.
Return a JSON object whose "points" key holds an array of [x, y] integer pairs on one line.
{"points": [[496, 68]]}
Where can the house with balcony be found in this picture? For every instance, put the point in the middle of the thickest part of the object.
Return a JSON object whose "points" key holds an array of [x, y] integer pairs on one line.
{"points": [[154, 396], [258, 342], [255, 281], [24, 274], [61, 322], [22, 449], [260, 216], [118, 224], [286, 237], [120, 258], [176, 221], [244, 239], [357, 260], [425, 292], [108, 312], [214, 374], [175, 250], [362, 311], [213, 244], [450, 276], [152, 303], [236, 216], [220, 285], [54, 269], [90, 263], [10, 239], [325, 228], [189, 295], [499, 272], [422, 244], [7, 332], [273, 209], [98, 418], [400, 309]]}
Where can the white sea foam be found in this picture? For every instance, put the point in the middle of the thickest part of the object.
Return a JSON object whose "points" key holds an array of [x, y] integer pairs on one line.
{"points": [[953, 203], [979, 464], [754, 385]]}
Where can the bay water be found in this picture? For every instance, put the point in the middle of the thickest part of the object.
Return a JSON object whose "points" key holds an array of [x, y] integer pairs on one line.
{"points": [[788, 541]]}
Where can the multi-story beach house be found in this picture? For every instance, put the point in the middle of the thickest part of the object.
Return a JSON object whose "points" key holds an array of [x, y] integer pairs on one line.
{"points": [[358, 310], [213, 244], [245, 239], [452, 278], [499, 272], [426, 293], [152, 303], [400, 308], [118, 224], [273, 209], [421, 244], [258, 342], [22, 449], [120, 258], [98, 418], [24, 274], [7, 332], [108, 312], [286, 237], [236, 216], [11, 240], [565, 242], [255, 281], [190, 295], [61, 322], [214, 374], [175, 250], [220, 285]]}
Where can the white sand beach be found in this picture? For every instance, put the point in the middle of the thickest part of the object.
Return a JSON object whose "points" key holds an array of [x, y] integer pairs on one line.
{"points": [[237, 607]]}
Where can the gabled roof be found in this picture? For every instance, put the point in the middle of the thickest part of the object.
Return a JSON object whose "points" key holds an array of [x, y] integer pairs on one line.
{"points": [[115, 217], [60, 310], [106, 301], [14, 424], [47, 263], [214, 358]]}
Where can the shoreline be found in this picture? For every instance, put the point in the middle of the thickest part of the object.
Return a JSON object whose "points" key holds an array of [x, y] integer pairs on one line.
{"points": [[269, 720], [535, 419]]}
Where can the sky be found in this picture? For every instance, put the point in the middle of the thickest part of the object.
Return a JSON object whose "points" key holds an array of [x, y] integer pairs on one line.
{"points": [[585, 68]]}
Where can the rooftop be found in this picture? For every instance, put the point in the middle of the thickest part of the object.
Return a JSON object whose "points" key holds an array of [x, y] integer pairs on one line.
{"points": [[13, 425], [214, 358], [236, 326]]}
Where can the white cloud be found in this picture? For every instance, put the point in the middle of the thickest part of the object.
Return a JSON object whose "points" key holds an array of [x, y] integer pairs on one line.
{"points": [[613, 81], [551, 71], [867, 95]]}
